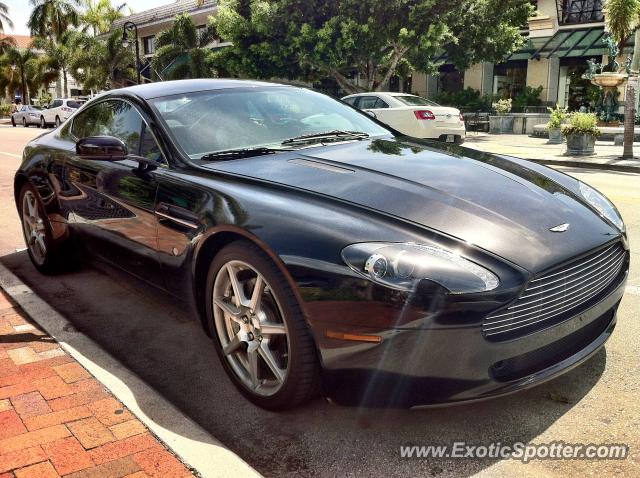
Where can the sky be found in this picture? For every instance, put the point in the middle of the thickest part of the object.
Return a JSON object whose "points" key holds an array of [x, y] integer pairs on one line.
{"points": [[19, 11]]}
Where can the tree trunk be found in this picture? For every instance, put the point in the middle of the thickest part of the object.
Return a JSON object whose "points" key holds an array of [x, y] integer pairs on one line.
{"points": [[630, 115], [395, 59], [630, 101], [344, 82], [65, 93], [25, 95]]}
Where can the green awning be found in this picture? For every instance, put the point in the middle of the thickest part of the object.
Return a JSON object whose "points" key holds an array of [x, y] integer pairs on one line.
{"points": [[567, 44]]}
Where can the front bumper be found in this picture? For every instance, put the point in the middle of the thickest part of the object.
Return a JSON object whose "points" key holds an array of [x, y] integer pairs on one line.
{"points": [[455, 365]]}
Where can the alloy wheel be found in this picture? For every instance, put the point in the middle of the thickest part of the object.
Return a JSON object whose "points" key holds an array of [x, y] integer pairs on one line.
{"points": [[251, 328], [34, 227]]}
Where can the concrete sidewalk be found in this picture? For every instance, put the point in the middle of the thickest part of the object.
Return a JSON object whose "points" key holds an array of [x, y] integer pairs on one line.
{"points": [[538, 150]]}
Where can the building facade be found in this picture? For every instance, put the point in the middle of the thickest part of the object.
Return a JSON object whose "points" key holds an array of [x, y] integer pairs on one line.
{"points": [[560, 38], [151, 22]]}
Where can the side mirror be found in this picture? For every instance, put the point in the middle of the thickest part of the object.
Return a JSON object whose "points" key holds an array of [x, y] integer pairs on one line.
{"points": [[370, 113], [102, 148]]}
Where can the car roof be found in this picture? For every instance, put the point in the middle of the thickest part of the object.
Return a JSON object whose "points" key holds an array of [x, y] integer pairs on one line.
{"points": [[177, 87]]}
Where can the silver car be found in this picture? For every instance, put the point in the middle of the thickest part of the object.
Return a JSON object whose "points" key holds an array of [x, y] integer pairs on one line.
{"points": [[26, 115]]}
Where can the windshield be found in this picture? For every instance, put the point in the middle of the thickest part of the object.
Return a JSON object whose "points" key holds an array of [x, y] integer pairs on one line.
{"points": [[220, 120], [411, 100]]}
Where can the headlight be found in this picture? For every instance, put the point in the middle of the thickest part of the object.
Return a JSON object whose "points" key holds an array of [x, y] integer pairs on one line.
{"points": [[403, 265], [602, 205]]}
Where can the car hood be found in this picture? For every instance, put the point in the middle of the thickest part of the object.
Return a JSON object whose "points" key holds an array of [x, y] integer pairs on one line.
{"points": [[496, 203]]}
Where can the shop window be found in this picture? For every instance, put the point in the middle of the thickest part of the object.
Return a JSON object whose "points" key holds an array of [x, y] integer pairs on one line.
{"points": [[572, 12], [510, 78]]}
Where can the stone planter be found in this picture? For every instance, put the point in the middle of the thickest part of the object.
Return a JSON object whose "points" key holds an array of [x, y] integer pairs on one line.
{"points": [[581, 144], [555, 136], [501, 124]]}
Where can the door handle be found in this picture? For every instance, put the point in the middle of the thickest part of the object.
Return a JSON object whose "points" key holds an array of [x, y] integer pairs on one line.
{"points": [[177, 214]]}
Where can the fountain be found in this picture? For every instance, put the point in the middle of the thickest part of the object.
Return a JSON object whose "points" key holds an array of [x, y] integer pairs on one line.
{"points": [[608, 78]]}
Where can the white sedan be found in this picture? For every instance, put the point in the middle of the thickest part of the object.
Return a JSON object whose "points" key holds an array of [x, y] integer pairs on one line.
{"points": [[412, 115]]}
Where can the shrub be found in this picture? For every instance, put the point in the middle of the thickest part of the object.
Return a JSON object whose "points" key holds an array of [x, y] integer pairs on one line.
{"points": [[5, 110], [581, 123], [558, 115], [467, 100], [503, 107], [529, 97]]}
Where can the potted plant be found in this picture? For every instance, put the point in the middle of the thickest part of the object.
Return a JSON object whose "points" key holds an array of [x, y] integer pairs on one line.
{"points": [[501, 123], [581, 134], [554, 126]]}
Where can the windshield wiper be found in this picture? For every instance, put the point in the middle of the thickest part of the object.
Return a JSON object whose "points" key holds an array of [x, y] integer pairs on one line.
{"points": [[339, 134], [239, 153]]}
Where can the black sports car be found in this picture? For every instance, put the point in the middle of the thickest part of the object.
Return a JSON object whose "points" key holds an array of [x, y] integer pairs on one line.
{"points": [[325, 252]]}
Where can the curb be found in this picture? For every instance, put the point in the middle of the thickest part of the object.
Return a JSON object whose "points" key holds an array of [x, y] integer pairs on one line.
{"points": [[195, 446], [585, 165]]}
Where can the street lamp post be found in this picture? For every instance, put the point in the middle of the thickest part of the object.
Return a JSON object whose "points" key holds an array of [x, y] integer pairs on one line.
{"points": [[126, 41]]}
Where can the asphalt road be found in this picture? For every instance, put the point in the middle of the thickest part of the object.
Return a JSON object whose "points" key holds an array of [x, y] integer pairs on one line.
{"points": [[158, 339]]}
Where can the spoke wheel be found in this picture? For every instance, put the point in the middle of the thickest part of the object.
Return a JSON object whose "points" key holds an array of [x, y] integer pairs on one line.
{"points": [[260, 333], [251, 328], [34, 227]]}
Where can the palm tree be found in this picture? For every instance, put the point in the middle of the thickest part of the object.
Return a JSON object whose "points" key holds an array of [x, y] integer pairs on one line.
{"points": [[102, 64], [100, 14], [51, 18], [623, 19], [59, 53], [182, 51], [22, 60], [4, 17]]}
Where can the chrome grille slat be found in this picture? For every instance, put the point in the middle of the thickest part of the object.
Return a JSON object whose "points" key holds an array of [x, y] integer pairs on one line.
{"points": [[565, 290], [578, 294], [593, 290], [609, 254], [547, 276], [557, 293]]}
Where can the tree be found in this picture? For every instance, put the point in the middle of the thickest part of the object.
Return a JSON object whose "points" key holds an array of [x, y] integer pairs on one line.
{"points": [[181, 51], [21, 59], [4, 17], [59, 53], [51, 18], [102, 64], [100, 14], [329, 38], [623, 20]]}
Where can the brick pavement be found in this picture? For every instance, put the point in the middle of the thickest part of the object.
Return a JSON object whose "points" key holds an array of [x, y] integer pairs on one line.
{"points": [[56, 420]]}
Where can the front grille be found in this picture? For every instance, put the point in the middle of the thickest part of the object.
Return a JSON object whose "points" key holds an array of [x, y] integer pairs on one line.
{"points": [[557, 294]]}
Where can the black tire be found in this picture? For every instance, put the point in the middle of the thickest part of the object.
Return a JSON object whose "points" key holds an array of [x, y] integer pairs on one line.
{"points": [[43, 123], [24, 123], [60, 256], [13, 122], [303, 376], [58, 122]]}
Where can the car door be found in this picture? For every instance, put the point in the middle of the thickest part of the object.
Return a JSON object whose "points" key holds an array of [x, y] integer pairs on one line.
{"points": [[50, 113], [114, 209]]}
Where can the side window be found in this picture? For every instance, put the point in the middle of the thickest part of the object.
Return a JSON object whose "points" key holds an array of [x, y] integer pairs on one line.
{"points": [[367, 102], [119, 119], [351, 101], [380, 104], [56, 104]]}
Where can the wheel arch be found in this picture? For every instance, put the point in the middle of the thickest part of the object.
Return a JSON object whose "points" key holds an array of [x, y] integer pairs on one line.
{"points": [[19, 181], [208, 247]]}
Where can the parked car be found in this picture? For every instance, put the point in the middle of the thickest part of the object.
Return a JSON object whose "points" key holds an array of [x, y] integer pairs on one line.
{"points": [[26, 115], [325, 252], [58, 111], [412, 115]]}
